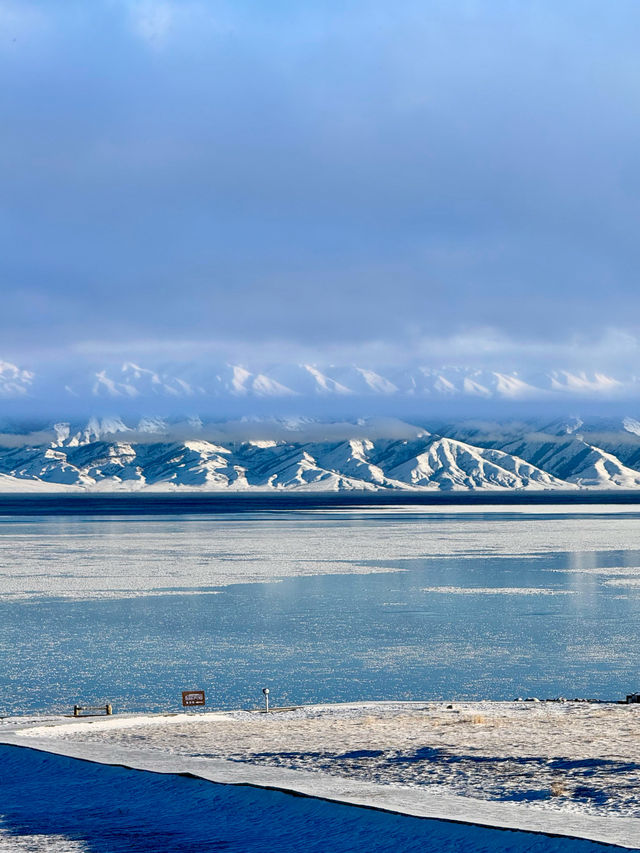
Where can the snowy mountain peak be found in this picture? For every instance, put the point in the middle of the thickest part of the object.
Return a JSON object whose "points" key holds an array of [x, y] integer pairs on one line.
{"points": [[631, 425], [107, 454]]}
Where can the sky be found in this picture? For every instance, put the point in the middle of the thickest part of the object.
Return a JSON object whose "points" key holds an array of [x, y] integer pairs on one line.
{"points": [[437, 182]]}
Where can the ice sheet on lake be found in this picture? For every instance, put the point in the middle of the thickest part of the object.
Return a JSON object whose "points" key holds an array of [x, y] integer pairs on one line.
{"points": [[495, 590], [123, 557]]}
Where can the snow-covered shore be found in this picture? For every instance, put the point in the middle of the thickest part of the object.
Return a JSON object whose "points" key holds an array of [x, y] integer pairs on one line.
{"points": [[561, 768]]}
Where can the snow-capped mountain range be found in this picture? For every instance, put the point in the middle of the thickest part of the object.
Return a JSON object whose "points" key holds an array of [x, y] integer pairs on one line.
{"points": [[153, 454], [207, 451], [136, 382]]}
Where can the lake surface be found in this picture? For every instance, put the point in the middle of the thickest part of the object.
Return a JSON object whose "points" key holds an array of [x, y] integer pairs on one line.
{"points": [[321, 604]]}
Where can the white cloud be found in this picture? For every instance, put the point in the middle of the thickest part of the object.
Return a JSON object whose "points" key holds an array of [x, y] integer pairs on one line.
{"points": [[482, 348]]}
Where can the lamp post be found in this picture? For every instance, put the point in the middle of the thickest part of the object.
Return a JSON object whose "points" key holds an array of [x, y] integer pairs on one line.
{"points": [[265, 690]]}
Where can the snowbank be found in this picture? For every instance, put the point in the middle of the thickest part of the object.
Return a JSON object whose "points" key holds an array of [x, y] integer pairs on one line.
{"points": [[568, 769]]}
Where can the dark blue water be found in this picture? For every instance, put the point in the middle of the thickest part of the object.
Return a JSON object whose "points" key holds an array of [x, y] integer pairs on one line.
{"points": [[114, 810], [331, 638], [12, 505]]}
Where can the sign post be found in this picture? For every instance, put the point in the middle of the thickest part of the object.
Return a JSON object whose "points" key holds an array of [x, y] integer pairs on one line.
{"points": [[192, 698]]}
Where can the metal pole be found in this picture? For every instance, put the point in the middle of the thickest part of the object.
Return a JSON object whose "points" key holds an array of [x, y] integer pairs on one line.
{"points": [[265, 690]]}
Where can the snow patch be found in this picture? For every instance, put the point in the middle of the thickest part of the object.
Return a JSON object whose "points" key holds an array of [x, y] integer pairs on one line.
{"points": [[507, 590]]}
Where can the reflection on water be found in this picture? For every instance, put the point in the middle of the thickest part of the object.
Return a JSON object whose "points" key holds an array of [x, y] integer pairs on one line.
{"points": [[336, 638]]}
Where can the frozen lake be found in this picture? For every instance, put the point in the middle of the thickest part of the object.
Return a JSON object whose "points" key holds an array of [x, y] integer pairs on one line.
{"points": [[322, 605]]}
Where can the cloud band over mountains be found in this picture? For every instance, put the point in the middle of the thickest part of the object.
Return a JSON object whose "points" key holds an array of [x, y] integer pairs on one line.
{"points": [[82, 387]]}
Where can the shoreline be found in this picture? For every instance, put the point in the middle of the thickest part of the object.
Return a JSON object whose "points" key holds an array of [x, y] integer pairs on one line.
{"points": [[395, 798], [201, 501]]}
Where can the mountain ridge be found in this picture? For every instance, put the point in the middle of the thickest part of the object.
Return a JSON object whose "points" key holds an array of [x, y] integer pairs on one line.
{"points": [[107, 454]]}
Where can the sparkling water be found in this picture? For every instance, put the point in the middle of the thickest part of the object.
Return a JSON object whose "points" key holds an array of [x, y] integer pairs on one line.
{"points": [[321, 606]]}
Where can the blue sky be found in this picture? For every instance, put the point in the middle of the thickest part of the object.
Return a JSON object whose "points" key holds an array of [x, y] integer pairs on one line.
{"points": [[450, 181]]}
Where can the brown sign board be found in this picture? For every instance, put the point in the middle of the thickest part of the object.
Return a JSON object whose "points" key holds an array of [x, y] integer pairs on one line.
{"points": [[192, 697]]}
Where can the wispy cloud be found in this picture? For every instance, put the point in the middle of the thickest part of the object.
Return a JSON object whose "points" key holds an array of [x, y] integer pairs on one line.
{"points": [[151, 20], [480, 348], [157, 22]]}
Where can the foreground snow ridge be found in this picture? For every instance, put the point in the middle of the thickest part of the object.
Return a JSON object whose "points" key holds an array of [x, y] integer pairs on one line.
{"points": [[568, 769]]}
